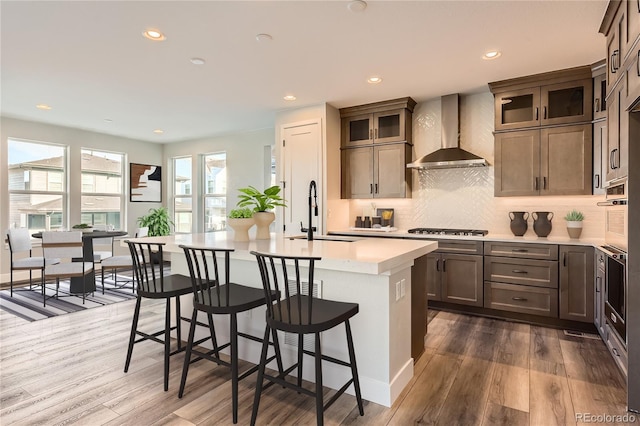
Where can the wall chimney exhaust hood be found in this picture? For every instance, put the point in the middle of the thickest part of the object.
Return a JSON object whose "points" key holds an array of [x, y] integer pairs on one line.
{"points": [[450, 155]]}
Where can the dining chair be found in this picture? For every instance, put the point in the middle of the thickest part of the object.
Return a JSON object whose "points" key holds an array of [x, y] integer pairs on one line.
{"points": [[300, 313], [215, 294], [19, 243], [152, 284], [66, 246], [102, 247], [114, 263]]}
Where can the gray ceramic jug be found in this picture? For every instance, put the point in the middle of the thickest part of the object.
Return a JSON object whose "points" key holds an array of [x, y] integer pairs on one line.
{"points": [[542, 223], [518, 223]]}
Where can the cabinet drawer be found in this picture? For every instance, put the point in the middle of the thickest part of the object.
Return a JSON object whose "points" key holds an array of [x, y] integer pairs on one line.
{"points": [[521, 250], [459, 246], [539, 273], [616, 347], [521, 298]]}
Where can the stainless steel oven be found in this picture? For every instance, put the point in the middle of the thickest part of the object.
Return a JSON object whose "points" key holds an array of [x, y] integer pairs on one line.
{"points": [[616, 214], [616, 239], [615, 290]]}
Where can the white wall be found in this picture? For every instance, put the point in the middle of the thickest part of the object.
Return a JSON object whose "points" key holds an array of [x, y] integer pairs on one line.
{"points": [[463, 198], [136, 151]]}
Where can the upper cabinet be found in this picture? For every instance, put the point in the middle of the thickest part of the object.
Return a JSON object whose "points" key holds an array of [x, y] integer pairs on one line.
{"points": [[376, 147], [599, 71], [560, 97], [380, 122]]}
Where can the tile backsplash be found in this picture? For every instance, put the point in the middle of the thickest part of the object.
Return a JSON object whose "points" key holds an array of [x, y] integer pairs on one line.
{"points": [[463, 198]]}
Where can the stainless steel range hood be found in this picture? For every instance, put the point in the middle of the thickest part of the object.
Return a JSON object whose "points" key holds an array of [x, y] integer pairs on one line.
{"points": [[450, 155]]}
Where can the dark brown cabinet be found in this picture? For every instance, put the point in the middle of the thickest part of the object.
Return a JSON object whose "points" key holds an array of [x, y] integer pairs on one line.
{"points": [[598, 308], [521, 278], [618, 133], [376, 171], [379, 122], [376, 147], [549, 161], [600, 91], [600, 150], [564, 102], [576, 271], [455, 277]]}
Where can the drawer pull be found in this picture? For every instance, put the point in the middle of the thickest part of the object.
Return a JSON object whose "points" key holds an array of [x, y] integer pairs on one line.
{"points": [[615, 352], [519, 271], [519, 251], [519, 299]]}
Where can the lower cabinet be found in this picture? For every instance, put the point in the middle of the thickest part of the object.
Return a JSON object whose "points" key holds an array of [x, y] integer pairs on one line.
{"points": [[455, 278], [598, 308], [521, 298], [617, 349], [576, 283]]}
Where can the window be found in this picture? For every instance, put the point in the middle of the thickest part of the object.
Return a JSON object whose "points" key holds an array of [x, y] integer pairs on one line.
{"points": [[215, 191], [37, 185], [182, 198], [102, 188]]}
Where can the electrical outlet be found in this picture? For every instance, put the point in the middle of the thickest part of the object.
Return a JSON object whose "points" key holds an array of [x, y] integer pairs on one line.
{"points": [[398, 291], [403, 287]]}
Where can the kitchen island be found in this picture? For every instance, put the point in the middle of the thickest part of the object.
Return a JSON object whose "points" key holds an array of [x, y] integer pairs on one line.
{"points": [[372, 272]]}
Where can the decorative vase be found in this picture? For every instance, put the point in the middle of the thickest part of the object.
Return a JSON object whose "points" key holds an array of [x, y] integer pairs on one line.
{"points": [[240, 227], [263, 221], [574, 228], [518, 223], [542, 223]]}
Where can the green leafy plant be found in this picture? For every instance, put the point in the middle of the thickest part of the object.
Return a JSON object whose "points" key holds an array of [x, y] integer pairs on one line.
{"points": [[244, 213], [158, 222], [82, 226], [260, 201], [574, 216]]}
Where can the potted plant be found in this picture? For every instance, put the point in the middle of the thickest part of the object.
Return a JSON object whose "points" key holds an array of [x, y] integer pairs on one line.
{"points": [[261, 203], [158, 222], [574, 223], [240, 220], [84, 227]]}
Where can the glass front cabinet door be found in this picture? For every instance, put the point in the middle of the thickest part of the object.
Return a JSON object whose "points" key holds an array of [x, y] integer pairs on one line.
{"points": [[517, 109]]}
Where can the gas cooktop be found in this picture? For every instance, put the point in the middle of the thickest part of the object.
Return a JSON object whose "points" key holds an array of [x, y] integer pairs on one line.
{"points": [[442, 231]]}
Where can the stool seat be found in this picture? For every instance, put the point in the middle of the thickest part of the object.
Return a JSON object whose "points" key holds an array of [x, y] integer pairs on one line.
{"points": [[294, 316]]}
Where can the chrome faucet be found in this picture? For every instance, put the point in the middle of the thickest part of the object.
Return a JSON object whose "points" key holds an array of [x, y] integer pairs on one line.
{"points": [[313, 203]]}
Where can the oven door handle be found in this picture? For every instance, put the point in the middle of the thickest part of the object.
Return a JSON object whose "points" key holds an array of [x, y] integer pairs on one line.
{"points": [[611, 203]]}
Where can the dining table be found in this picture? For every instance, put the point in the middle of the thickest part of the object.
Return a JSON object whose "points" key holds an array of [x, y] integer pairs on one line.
{"points": [[76, 283]]}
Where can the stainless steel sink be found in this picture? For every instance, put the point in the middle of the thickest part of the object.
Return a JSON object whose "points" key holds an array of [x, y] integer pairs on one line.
{"points": [[326, 238]]}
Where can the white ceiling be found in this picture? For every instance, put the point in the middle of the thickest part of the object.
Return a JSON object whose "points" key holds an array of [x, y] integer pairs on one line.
{"points": [[89, 61]]}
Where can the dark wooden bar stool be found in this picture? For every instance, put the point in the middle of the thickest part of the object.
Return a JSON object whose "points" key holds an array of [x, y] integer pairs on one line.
{"points": [[152, 284], [215, 294], [301, 313]]}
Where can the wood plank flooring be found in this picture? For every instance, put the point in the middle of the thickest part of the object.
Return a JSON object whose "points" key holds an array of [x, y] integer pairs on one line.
{"points": [[475, 371]]}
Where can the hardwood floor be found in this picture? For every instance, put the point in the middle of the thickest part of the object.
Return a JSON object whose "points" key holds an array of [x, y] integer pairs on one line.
{"points": [[475, 371]]}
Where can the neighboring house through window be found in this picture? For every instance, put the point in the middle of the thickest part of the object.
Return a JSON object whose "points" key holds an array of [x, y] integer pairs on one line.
{"points": [[214, 167], [103, 201], [182, 194], [37, 185]]}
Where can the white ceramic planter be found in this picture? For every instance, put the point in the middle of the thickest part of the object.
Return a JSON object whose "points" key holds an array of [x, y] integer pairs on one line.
{"points": [[574, 228], [240, 227], [263, 221]]}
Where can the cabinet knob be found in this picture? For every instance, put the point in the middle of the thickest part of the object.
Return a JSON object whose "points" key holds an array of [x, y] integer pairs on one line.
{"points": [[536, 113], [519, 299], [596, 103], [519, 271], [544, 113]]}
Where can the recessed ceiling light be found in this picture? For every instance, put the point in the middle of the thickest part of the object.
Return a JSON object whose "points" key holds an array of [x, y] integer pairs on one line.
{"points": [[289, 98], [43, 107], [158, 131], [197, 61], [264, 37], [154, 35], [357, 6], [374, 80], [491, 54], [108, 120]]}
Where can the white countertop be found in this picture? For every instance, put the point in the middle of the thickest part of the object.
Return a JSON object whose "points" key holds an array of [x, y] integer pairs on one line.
{"points": [[402, 233], [366, 255]]}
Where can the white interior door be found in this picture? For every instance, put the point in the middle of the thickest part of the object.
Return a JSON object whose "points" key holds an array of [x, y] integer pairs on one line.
{"points": [[302, 163]]}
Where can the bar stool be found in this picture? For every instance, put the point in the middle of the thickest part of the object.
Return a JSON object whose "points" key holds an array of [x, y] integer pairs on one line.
{"points": [[152, 284], [216, 295], [301, 313]]}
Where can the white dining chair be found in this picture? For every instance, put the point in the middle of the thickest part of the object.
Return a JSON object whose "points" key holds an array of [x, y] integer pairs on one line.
{"points": [[19, 243], [114, 263], [66, 246], [102, 247]]}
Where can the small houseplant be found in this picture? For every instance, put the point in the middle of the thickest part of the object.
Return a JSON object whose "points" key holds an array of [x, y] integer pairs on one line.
{"points": [[84, 227], [158, 221], [261, 203], [574, 223], [240, 220]]}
